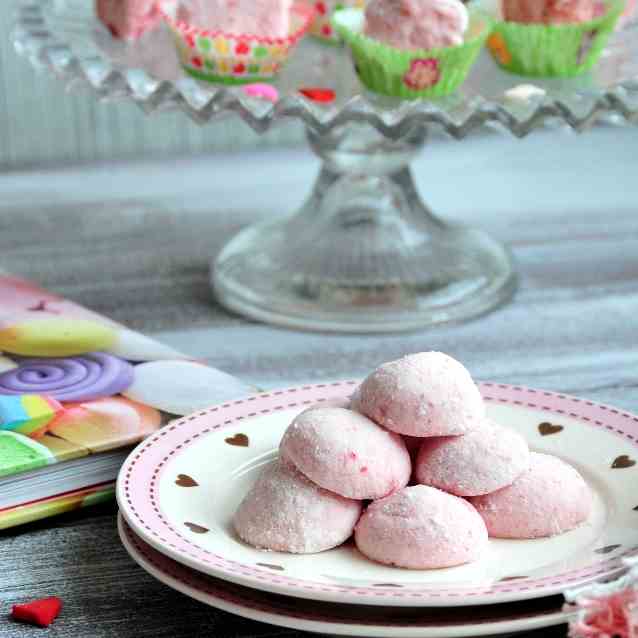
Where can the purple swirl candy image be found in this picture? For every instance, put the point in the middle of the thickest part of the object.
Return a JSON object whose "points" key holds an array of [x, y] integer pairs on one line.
{"points": [[82, 378]]}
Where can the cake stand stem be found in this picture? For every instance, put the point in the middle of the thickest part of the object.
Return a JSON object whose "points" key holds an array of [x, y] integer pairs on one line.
{"points": [[364, 253]]}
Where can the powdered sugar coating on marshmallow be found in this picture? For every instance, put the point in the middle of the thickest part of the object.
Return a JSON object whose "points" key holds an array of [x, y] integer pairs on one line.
{"points": [[548, 499], [346, 453], [482, 461], [424, 394], [285, 512], [417, 24], [421, 527]]}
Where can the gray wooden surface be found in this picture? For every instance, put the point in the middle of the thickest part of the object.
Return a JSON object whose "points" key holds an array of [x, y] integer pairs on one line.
{"points": [[133, 241]]}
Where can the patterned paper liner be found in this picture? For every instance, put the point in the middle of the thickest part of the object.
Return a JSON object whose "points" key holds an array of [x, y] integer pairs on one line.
{"points": [[411, 74], [227, 58], [321, 27], [561, 50]]}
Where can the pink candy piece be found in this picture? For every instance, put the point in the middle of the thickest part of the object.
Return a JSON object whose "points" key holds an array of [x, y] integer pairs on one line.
{"points": [[549, 11], [263, 18], [417, 24], [483, 461], [605, 609], [285, 512], [424, 394], [346, 453], [262, 91], [548, 499], [421, 528], [128, 19]]}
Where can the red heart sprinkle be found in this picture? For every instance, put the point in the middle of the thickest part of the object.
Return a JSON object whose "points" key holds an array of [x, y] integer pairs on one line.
{"points": [[39, 612], [326, 30], [190, 40], [321, 8], [242, 49], [239, 68], [319, 95]]}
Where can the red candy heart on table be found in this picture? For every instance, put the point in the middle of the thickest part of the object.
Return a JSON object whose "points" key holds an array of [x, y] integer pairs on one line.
{"points": [[318, 94], [39, 612]]}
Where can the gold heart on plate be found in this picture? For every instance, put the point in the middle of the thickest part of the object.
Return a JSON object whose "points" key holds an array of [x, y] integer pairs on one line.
{"points": [[183, 480], [546, 428], [386, 585], [606, 550], [277, 568], [623, 461], [196, 529], [239, 440], [508, 578]]}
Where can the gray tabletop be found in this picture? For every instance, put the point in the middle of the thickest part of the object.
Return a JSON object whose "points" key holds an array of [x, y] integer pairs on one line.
{"points": [[134, 241]]}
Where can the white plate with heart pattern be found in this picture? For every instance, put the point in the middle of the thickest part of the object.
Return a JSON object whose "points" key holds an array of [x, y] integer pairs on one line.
{"points": [[179, 489], [344, 620]]}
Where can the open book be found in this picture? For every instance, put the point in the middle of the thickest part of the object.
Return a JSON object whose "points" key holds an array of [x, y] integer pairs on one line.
{"points": [[77, 392]]}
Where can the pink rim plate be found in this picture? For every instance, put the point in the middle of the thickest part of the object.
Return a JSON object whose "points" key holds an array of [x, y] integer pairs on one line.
{"points": [[605, 438], [336, 619]]}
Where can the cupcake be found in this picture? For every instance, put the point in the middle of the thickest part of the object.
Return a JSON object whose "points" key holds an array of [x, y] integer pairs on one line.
{"points": [[413, 48], [322, 24], [550, 38], [235, 41]]}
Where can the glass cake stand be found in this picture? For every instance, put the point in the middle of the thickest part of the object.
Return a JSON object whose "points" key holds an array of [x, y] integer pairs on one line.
{"points": [[364, 253]]}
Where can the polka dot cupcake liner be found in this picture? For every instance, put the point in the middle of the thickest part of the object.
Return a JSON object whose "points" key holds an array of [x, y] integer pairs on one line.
{"points": [[225, 58], [411, 74], [560, 50], [321, 27]]}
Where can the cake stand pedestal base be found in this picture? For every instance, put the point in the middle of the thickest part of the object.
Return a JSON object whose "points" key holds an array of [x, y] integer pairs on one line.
{"points": [[364, 253]]}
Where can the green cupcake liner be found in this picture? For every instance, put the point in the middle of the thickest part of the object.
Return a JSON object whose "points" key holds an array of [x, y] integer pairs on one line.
{"points": [[411, 74], [561, 50], [226, 79]]}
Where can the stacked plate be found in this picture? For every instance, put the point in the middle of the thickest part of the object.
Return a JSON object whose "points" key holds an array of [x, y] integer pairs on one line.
{"points": [[178, 490]]}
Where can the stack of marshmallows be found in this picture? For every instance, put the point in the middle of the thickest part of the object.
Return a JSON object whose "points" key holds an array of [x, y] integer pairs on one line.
{"points": [[345, 467]]}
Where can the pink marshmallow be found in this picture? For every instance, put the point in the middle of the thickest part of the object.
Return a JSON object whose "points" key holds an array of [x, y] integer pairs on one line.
{"points": [[285, 512], [550, 498], [417, 24], [263, 18], [421, 528], [549, 11], [483, 461], [424, 394], [346, 453]]}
